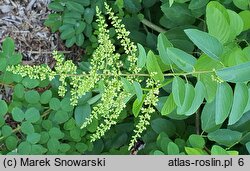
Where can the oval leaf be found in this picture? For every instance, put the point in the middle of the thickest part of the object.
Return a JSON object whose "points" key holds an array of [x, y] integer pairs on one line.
{"points": [[223, 102], [178, 89], [169, 105], [142, 58], [198, 98], [225, 137], [234, 74], [239, 103], [182, 59], [188, 99], [162, 44], [153, 67], [205, 42]]}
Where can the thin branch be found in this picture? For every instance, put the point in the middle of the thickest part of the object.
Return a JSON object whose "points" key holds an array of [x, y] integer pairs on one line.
{"points": [[153, 26], [145, 75], [49, 52]]}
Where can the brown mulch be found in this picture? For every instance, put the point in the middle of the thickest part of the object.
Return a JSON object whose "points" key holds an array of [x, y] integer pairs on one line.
{"points": [[22, 20]]}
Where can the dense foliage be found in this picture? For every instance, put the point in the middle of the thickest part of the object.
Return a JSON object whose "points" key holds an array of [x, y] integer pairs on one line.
{"points": [[182, 90]]}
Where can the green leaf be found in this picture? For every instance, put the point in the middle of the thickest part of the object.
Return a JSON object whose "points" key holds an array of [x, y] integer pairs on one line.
{"points": [[196, 141], [17, 114], [32, 115], [55, 104], [19, 90], [194, 151], [236, 24], [65, 104], [217, 150], [11, 143], [2, 122], [24, 148], [138, 90], [74, 6], [54, 21], [239, 103], [33, 138], [3, 107], [56, 133], [84, 3], [46, 97], [61, 116], [15, 59], [80, 39], [67, 34], [178, 13], [225, 137], [182, 59], [163, 125], [70, 124], [208, 118], [65, 27], [8, 47], [188, 99], [198, 98], [127, 86], [70, 42], [241, 4], [79, 27], [132, 6], [70, 15], [27, 128], [223, 102], [162, 44], [94, 99], [173, 149], [6, 130], [233, 152], [53, 145], [218, 21], [234, 74], [169, 105], [64, 148], [171, 2], [75, 133], [245, 15], [148, 3], [197, 4], [208, 44], [137, 105], [178, 90], [153, 67], [242, 124], [30, 83], [56, 6], [3, 64], [81, 147], [158, 152], [89, 15], [69, 21], [32, 96], [37, 149], [142, 58], [82, 113]]}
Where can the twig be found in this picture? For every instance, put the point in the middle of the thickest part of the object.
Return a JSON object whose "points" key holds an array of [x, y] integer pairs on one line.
{"points": [[49, 52], [153, 26], [31, 3]]}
